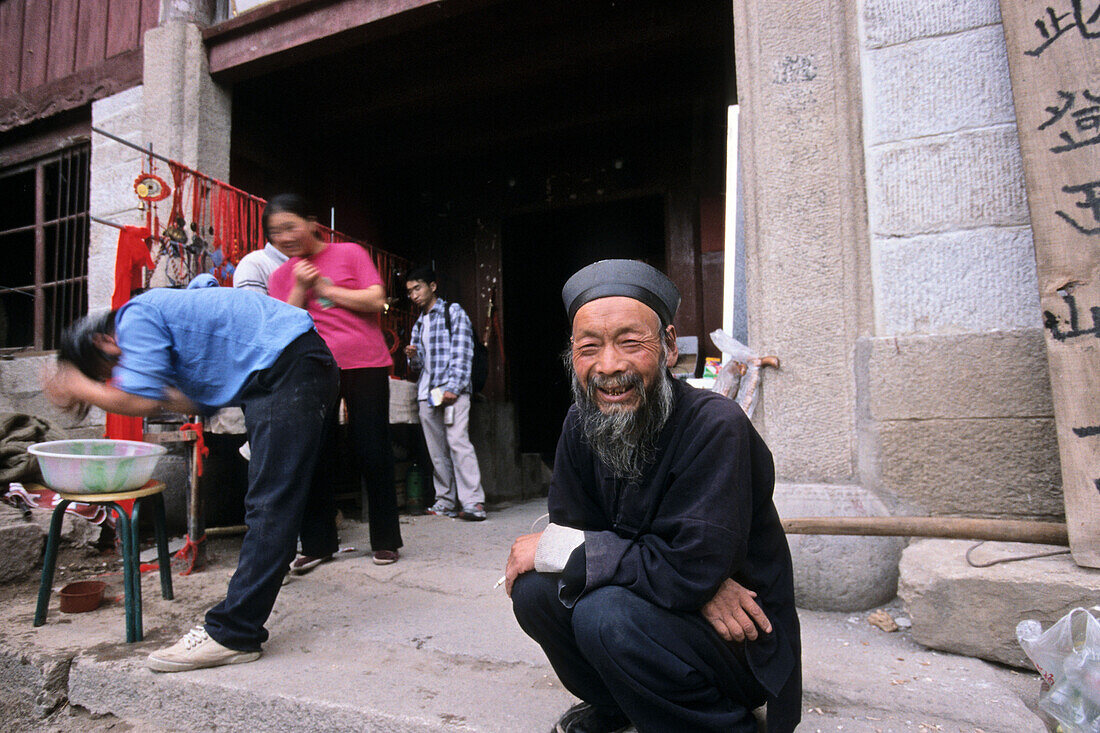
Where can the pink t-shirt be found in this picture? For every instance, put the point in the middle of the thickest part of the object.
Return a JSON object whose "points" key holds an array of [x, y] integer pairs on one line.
{"points": [[355, 339]]}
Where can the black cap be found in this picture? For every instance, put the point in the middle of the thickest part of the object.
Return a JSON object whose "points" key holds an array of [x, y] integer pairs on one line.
{"points": [[627, 278]]}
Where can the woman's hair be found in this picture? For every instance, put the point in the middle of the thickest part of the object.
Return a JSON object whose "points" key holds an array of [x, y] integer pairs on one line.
{"points": [[78, 345], [289, 203]]}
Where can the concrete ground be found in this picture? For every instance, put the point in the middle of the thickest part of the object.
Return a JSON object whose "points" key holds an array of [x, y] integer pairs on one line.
{"points": [[428, 644]]}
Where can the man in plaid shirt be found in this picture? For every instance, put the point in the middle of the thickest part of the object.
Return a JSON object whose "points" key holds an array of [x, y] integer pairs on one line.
{"points": [[441, 349]]}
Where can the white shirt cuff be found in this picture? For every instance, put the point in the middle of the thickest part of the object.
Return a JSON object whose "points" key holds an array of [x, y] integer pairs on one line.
{"points": [[555, 546]]}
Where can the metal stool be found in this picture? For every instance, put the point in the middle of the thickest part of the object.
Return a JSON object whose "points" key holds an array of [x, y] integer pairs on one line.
{"points": [[131, 563]]}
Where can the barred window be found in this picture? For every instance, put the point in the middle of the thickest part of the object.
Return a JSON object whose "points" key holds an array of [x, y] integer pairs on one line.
{"points": [[44, 244]]}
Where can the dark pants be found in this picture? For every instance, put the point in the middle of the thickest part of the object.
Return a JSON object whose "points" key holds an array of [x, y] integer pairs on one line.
{"points": [[286, 407], [318, 535], [667, 671], [367, 394]]}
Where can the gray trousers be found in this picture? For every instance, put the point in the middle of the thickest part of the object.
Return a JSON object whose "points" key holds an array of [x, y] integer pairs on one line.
{"points": [[454, 462]]}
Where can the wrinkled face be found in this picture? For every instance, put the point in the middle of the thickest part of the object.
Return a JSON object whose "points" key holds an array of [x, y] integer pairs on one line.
{"points": [[616, 349], [422, 294], [292, 235]]}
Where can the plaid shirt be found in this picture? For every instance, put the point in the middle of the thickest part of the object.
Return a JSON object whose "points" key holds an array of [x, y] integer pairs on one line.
{"points": [[451, 354]]}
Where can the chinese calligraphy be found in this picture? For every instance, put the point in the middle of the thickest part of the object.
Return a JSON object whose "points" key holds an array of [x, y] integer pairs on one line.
{"points": [[1054, 25], [1050, 321], [1091, 193], [1086, 119]]}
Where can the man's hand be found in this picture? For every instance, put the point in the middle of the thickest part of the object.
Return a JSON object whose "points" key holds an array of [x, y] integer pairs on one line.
{"points": [[449, 398], [410, 351], [521, 559], [734, 614]]}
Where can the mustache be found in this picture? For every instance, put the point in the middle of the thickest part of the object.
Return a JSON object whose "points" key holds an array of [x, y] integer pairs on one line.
{"points": [[615, 383]]}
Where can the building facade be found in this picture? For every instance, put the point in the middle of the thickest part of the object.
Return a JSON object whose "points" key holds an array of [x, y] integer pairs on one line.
{"points": [[888, 255]]}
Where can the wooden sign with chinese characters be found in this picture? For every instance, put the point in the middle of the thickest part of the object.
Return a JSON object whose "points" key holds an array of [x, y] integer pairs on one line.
{"points": [[1054, 59]]}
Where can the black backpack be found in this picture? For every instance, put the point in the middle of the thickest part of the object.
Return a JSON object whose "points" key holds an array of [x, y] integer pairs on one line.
{"points": [[479, 367]]}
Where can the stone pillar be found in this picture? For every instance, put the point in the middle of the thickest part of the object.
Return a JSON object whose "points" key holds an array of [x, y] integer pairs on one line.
{"points": [[199, 12], [805, 226], [187, 114], [807, 267]]}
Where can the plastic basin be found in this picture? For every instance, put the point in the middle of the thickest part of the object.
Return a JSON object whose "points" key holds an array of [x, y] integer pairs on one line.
{"points": [[99, 466], [82, 596]]}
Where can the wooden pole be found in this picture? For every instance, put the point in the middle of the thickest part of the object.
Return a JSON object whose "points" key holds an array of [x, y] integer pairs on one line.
{"points": [[1054, 60], [957, 528]]}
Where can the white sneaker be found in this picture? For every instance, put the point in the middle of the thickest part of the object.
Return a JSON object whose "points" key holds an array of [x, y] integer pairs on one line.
{"points": [[195, 651]]}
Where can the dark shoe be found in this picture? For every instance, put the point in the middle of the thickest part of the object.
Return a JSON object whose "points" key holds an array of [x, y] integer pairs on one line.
{"points": [[584, 718], [385, 557], [304, 563], [475, 513]]}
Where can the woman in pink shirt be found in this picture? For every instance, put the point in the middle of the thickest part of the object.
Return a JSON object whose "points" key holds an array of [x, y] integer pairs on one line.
{"points": [[339, 286]]}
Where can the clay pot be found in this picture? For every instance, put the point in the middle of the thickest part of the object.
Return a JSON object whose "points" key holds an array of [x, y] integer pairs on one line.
{"points": [[85, 595]]}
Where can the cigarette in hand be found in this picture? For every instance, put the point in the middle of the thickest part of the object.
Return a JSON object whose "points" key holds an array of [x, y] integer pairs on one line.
{"points": [[500, 582]]}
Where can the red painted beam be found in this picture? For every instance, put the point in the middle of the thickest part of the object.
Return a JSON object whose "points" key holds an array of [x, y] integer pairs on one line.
{"points": [[110, 77]]}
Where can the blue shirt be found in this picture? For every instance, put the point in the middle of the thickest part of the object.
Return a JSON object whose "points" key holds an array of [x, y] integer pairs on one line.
{"points": [[204, 341]]}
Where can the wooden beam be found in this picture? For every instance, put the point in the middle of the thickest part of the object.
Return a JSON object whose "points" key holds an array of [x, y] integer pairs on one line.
{"points": [[112, 76], [171, 436], [44, 143], [1054, 63], [239, 47], [958, 528]]}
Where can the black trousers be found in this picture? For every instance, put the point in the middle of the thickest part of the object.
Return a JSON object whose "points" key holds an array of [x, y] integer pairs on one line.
{"points": [[667, 671], [286, 407], [367, 394]]}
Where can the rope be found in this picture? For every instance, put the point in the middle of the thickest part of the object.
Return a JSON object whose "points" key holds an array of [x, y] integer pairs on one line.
{"points": [[998, 561], [189, 553], [200, 445]]}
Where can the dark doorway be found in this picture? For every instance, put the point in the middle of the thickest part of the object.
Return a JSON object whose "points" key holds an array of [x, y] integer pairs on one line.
{"points": [[540, 251]]}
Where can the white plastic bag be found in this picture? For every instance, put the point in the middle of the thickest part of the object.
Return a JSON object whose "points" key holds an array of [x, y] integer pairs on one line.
{"points": [[1067, 655], [741, 371]]}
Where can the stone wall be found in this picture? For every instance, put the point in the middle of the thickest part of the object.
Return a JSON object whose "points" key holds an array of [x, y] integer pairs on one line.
{"points": [[955, 413], [113, 168]]}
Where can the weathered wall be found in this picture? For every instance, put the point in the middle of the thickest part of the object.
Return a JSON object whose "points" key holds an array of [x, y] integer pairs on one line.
{"points": [[808, 276], [805, 230], [187, 116], [114, 167], [955, 412], [890, 265]]}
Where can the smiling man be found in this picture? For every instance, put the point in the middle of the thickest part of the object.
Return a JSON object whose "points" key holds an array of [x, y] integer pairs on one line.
{"points": [[654, 589]]}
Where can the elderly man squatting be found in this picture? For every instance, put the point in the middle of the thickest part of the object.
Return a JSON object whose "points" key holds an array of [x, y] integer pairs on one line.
{"points": [[664, 562]]}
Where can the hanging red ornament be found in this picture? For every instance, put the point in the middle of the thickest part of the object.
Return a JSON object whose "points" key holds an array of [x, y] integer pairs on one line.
{"points": [[150, 187]]}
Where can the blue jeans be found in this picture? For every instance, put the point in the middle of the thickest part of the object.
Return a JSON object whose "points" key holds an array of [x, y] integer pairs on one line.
{"points": [[286, 407], [667, 671]]}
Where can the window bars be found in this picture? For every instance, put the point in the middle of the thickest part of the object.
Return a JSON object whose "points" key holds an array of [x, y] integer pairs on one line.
{"points": [[44, 241]]}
